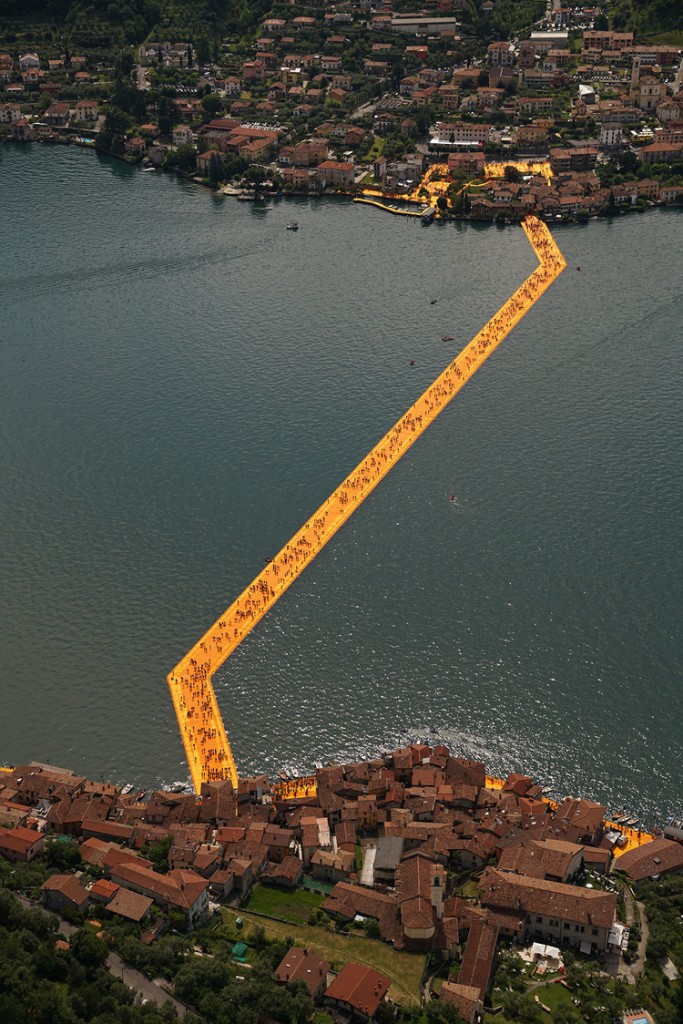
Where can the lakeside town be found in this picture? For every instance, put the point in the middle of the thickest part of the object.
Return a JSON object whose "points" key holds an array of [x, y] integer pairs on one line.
{"points": [[408, 887], [566, 120], [417, 851]]}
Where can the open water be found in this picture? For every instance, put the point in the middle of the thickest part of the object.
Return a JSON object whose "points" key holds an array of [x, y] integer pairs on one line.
{"points": [[182, 381]]}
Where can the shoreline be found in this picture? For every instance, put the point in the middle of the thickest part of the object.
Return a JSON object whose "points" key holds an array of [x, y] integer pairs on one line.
{"points": [[289, 790], [126, 175], [380, 202]]}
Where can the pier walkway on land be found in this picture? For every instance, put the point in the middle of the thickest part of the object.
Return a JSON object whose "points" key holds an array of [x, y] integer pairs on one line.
{"points": [[206, 744]]}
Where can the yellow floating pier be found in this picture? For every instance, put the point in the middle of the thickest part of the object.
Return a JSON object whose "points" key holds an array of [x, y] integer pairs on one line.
{"points": [[206, 744], [389, 209]]}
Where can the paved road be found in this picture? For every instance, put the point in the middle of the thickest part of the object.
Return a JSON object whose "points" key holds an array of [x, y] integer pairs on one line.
{"points": [[616, 966], [367, 875], [139, 982], [141, 78]]}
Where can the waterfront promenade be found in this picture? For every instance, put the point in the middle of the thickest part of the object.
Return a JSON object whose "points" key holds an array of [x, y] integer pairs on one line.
{"points": [[201, 725]]}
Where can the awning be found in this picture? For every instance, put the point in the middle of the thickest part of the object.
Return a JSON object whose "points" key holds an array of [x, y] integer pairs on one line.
{"points": [[585, 947], [539, 949]]}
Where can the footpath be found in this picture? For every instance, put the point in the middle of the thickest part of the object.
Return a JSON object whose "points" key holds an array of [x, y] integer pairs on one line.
{"points": [[201, 726]]}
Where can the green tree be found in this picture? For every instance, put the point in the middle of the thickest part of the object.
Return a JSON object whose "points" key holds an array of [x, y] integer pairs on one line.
{"points": [[158, 853], [167, 115], [215, 169], [202, 51], [212, 104], [63, 855], [90, 951], [185, 158]]}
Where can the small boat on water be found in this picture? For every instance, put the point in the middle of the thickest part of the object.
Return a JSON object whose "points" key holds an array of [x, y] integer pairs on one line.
{"points": [[433, 302], [448, 337], [128, 788], [293, 226]]}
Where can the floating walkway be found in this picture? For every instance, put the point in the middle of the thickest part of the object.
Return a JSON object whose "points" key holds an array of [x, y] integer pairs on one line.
{"points": [[389, 209], [201, 726]]}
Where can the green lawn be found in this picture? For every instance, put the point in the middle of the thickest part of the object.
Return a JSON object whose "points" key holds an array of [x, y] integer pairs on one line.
{"points": [[376, 149], [295, 906], [403, 969], [469, 889], [553, 996]]}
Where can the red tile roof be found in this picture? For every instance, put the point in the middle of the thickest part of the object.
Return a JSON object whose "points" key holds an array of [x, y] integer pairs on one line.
{"points": [[303, 965], [659, 857], [359, 987], [501, 889], [68, 886], [131, 905]]}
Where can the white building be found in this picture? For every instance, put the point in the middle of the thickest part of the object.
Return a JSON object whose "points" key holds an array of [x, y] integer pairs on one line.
{"points": [[611, 134]]}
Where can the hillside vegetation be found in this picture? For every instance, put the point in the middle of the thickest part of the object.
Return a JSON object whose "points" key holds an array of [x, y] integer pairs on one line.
{"points": [[116, 22], [647, 17]]}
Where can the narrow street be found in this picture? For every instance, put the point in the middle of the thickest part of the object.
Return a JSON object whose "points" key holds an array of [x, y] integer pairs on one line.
{"points": [[151, 991]]}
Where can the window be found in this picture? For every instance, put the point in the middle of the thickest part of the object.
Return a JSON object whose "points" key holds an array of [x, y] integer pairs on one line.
{"points": [[566, 924], [539, 920], [595, 931]]}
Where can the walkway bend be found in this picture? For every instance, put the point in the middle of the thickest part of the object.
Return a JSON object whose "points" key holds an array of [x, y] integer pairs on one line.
{"points": [[201, 726]]}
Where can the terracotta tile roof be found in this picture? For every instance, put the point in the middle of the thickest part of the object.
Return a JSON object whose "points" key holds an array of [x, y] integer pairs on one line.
{"points": [[540, 859], [289, 869], [477, 963], [357, 899], [68, 886], [177, 888], [131, 905], [465, 999], [414, 877], [345, 832], [417, 913], [658, 857], [230, 834], [359, 987], [302, 965], [104, 889], [19, 840], [107, 829], [93, 851], [500, 889], [115, 856], [460, 770], [342, 860]]}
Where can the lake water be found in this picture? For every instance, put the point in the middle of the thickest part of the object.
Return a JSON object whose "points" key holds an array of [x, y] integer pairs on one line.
{"points": [[182, 381]]}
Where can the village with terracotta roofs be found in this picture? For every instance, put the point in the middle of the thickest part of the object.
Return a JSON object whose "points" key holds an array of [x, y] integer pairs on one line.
{"points": [[419, 849], [436, 110]]}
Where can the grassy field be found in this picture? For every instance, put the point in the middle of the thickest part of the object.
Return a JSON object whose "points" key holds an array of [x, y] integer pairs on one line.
{"points": [[403, 969], [296, 906], [667, 38]]}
